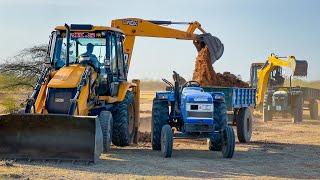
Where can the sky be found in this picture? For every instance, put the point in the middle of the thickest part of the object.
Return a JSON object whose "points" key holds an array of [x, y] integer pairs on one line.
{"points": [[249, 29]]}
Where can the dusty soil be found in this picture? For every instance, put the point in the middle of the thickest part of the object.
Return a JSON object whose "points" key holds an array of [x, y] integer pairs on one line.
{"points": [[206, 76], [279, 149]]}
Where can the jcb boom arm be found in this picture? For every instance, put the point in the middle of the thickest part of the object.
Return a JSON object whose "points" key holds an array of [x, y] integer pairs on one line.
{"points": [[133, 27], [299, 68]]}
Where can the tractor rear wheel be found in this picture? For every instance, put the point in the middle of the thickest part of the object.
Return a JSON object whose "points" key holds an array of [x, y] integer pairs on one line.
{"points": [[106, 122], [220, 114], [228, 142], [297, 108], [123, 121], [160, 117], [314, 110], [166, 141], [244, 125]]}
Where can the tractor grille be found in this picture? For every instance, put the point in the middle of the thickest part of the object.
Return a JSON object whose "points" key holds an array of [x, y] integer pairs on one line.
{"points": [[200, 114], [199, 128]]}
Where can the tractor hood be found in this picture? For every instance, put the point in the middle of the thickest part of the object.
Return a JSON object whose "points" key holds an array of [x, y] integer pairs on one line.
{"points": [[196, 95], [67, 77]]}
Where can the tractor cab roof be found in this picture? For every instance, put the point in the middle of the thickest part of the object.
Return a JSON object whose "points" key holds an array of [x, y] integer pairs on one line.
{"points": [[88, 28]]}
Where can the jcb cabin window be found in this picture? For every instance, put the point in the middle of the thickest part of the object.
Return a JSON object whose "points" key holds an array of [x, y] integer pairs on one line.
{"points": [[83, 47]]}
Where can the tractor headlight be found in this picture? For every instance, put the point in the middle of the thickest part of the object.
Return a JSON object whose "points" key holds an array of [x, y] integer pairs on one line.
{"points": [[206, 107]]}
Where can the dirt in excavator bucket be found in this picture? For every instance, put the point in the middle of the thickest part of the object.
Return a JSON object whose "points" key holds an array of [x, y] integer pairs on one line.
{"points": [[50, 137], [206, 76], [212, 43]]}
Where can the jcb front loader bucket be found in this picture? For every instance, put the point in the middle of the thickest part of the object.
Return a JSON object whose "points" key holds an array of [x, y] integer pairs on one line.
{"points": [[50, 137], [213, 43], [301, 68]]}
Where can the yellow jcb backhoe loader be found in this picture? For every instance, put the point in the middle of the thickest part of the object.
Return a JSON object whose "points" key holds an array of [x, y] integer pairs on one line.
{"points": [[273, 97], [82, 101]]}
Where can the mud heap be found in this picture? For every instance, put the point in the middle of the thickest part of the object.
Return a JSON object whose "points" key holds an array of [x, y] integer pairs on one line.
{"points": [[206, 76]]}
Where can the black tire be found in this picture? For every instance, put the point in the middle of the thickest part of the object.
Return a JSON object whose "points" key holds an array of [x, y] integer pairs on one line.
{"points": [[213, 145], [106, 122], [244, 125], [220, 115], [123, 130], [266, 113], [160, 117], [166, 141], [297, 108], [228, 142], [314, 110]]}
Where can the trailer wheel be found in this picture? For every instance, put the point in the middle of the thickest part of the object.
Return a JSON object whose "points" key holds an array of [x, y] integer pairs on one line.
{"points": [[160, 117], [166, 141], [228, 142], [297, 109], [266, 113], [106, 122], [244, 125], [123, 121], [314, 110]]}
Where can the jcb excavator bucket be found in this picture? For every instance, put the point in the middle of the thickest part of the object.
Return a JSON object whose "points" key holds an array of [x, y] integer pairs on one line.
{"points": [[50, 137], [301, 68], [214, 45]]}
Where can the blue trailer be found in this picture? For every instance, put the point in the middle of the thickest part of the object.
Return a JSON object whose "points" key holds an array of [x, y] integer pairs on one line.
{"points": [[240, 102], [192, 111]]}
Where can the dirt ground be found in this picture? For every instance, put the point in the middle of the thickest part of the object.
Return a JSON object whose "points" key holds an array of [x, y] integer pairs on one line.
{"points": [[279, 149]]}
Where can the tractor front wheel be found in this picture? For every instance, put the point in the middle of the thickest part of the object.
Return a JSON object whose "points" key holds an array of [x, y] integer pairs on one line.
{"points": [[228, 142], [166, 141], [160, 117]]}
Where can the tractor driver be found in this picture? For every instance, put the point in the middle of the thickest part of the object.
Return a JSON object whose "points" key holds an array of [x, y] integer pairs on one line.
{"points": [[91, 57]]}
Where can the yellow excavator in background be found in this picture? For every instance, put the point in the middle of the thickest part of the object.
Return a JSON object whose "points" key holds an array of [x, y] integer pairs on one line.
{"points": [[82, 101], [273, 97]]}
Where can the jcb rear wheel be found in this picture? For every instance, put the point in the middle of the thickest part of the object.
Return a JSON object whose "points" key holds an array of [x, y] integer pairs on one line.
{"points": [[123, 121]]}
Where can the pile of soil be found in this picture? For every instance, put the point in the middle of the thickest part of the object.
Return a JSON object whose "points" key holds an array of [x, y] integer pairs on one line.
{"points": [[206, 76]]}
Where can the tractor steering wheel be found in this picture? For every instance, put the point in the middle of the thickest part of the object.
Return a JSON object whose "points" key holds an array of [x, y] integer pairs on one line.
{"points": [[191, 84]]}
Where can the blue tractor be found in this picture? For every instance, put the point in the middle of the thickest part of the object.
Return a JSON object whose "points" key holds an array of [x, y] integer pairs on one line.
{"points": [[186, 111]]}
